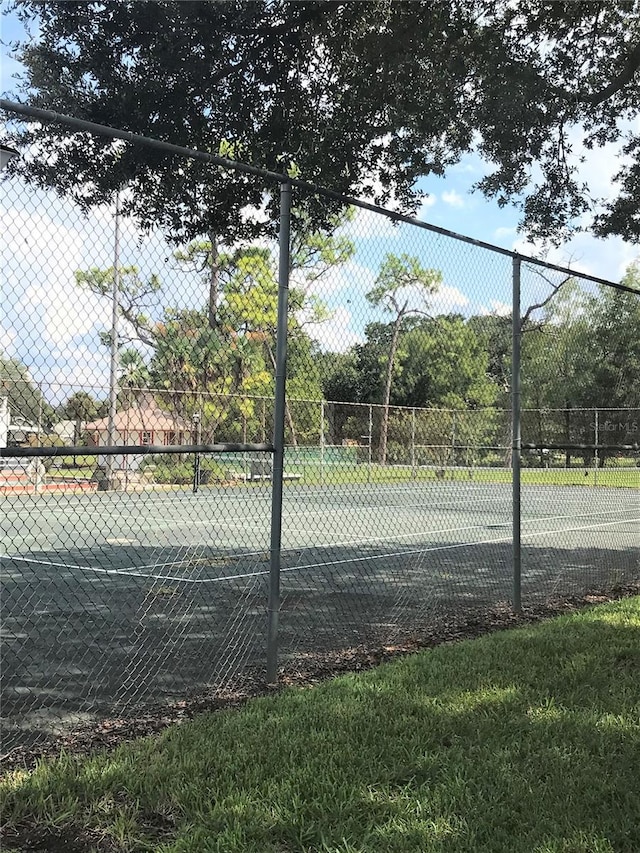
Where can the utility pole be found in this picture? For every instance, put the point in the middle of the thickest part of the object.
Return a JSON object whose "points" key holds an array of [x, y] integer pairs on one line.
{"points": [[113, 353]]}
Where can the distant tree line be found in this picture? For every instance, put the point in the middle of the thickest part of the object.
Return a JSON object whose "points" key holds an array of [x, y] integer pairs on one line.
{"points": [[580, 350]]}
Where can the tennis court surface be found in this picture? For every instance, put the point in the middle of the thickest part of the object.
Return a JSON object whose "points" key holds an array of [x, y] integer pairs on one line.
{"points": [[113, 601]]}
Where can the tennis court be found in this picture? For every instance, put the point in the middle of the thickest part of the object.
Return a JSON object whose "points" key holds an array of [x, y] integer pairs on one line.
{"points": [[113, 600]]}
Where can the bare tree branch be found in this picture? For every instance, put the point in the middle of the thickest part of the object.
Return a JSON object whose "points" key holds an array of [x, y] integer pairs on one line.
{"points": [[524, 319]]}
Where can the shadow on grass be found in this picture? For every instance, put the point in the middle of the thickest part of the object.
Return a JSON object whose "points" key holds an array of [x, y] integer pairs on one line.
{"points": [[518, 741]]}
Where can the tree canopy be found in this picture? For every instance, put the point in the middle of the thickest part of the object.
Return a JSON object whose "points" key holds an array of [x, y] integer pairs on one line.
{"points": [[363, 97], [24, 397], [219, 358]]}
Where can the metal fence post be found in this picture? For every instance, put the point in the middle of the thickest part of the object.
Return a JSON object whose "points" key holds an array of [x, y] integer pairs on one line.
{"points": [[322, 441], [516, 444], [278, 433]]}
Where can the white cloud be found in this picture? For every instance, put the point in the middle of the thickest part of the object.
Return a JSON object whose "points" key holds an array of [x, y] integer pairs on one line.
{"points": [[7, 337], [503, 231], [349, 275], [468, 166], [39, 260], [79, 368], [368, 224], [68, 312], [599, 164], [335, 334], [449, 297], [497, 308], [425, 205], [453, 198], [446, 299], [606, 258], [250, 213]]}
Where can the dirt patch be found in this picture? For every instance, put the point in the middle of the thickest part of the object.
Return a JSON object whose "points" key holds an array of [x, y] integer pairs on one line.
{"points": [[307, 669], [64, 840]]}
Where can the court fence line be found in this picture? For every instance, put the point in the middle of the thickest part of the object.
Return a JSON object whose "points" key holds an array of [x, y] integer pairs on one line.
{"points": [[242, 635]]}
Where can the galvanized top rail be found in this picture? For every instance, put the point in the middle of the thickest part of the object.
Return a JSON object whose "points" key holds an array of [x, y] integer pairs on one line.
{"points": [[116, 133], [132, 450]]}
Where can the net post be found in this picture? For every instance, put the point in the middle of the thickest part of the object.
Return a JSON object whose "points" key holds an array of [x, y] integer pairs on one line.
{"points": [[453, 439], [597, 442], [413, 443], [322, 439], [197, 422], [516, 437], [370, 441], [278, 433]]}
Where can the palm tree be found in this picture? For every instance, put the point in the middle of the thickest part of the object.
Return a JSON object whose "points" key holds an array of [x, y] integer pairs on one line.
{"points": [[133, 379], [80, 407]]}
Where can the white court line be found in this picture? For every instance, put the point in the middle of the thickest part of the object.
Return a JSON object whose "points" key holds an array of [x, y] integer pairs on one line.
{"points": [[129, 573], [467, 508], [329, 508], [177, 524], [15, 559], [360, 541], [342, 543], [123, 571], [308, 511], [503, 539], [241, 524], [363, 540], [451, 547]]}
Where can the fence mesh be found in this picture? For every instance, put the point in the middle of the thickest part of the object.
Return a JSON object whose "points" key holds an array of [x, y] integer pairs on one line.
{"points": [[140, 578], [581, 421]]}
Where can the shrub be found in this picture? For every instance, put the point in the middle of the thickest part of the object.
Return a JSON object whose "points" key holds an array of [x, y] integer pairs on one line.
{"points": [[176, 472]]}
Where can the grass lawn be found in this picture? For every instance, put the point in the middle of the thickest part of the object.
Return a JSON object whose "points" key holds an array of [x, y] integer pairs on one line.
{"points": [[523, 740], [311, 475], [64, 467], [609, 477]]}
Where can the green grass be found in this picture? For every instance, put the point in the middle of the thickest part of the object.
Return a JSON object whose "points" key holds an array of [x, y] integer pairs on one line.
{"points": [[524, 740], [627, 477], [611, 477], [81, 468], [69, 471]]}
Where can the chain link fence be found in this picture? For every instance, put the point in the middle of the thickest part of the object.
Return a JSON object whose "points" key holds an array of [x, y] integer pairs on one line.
{"points": [[173, 523]]}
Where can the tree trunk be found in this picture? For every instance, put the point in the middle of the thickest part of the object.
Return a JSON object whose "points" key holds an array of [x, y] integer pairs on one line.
{"points": [[387, 390], [567, 435], [214, 283]]}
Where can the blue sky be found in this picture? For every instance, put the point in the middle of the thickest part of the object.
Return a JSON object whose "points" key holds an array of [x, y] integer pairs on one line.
{"points": [[54, 329]]}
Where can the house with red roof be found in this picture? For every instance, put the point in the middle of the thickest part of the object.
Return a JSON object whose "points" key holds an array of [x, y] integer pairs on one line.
{"points": [[139, 426]]}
